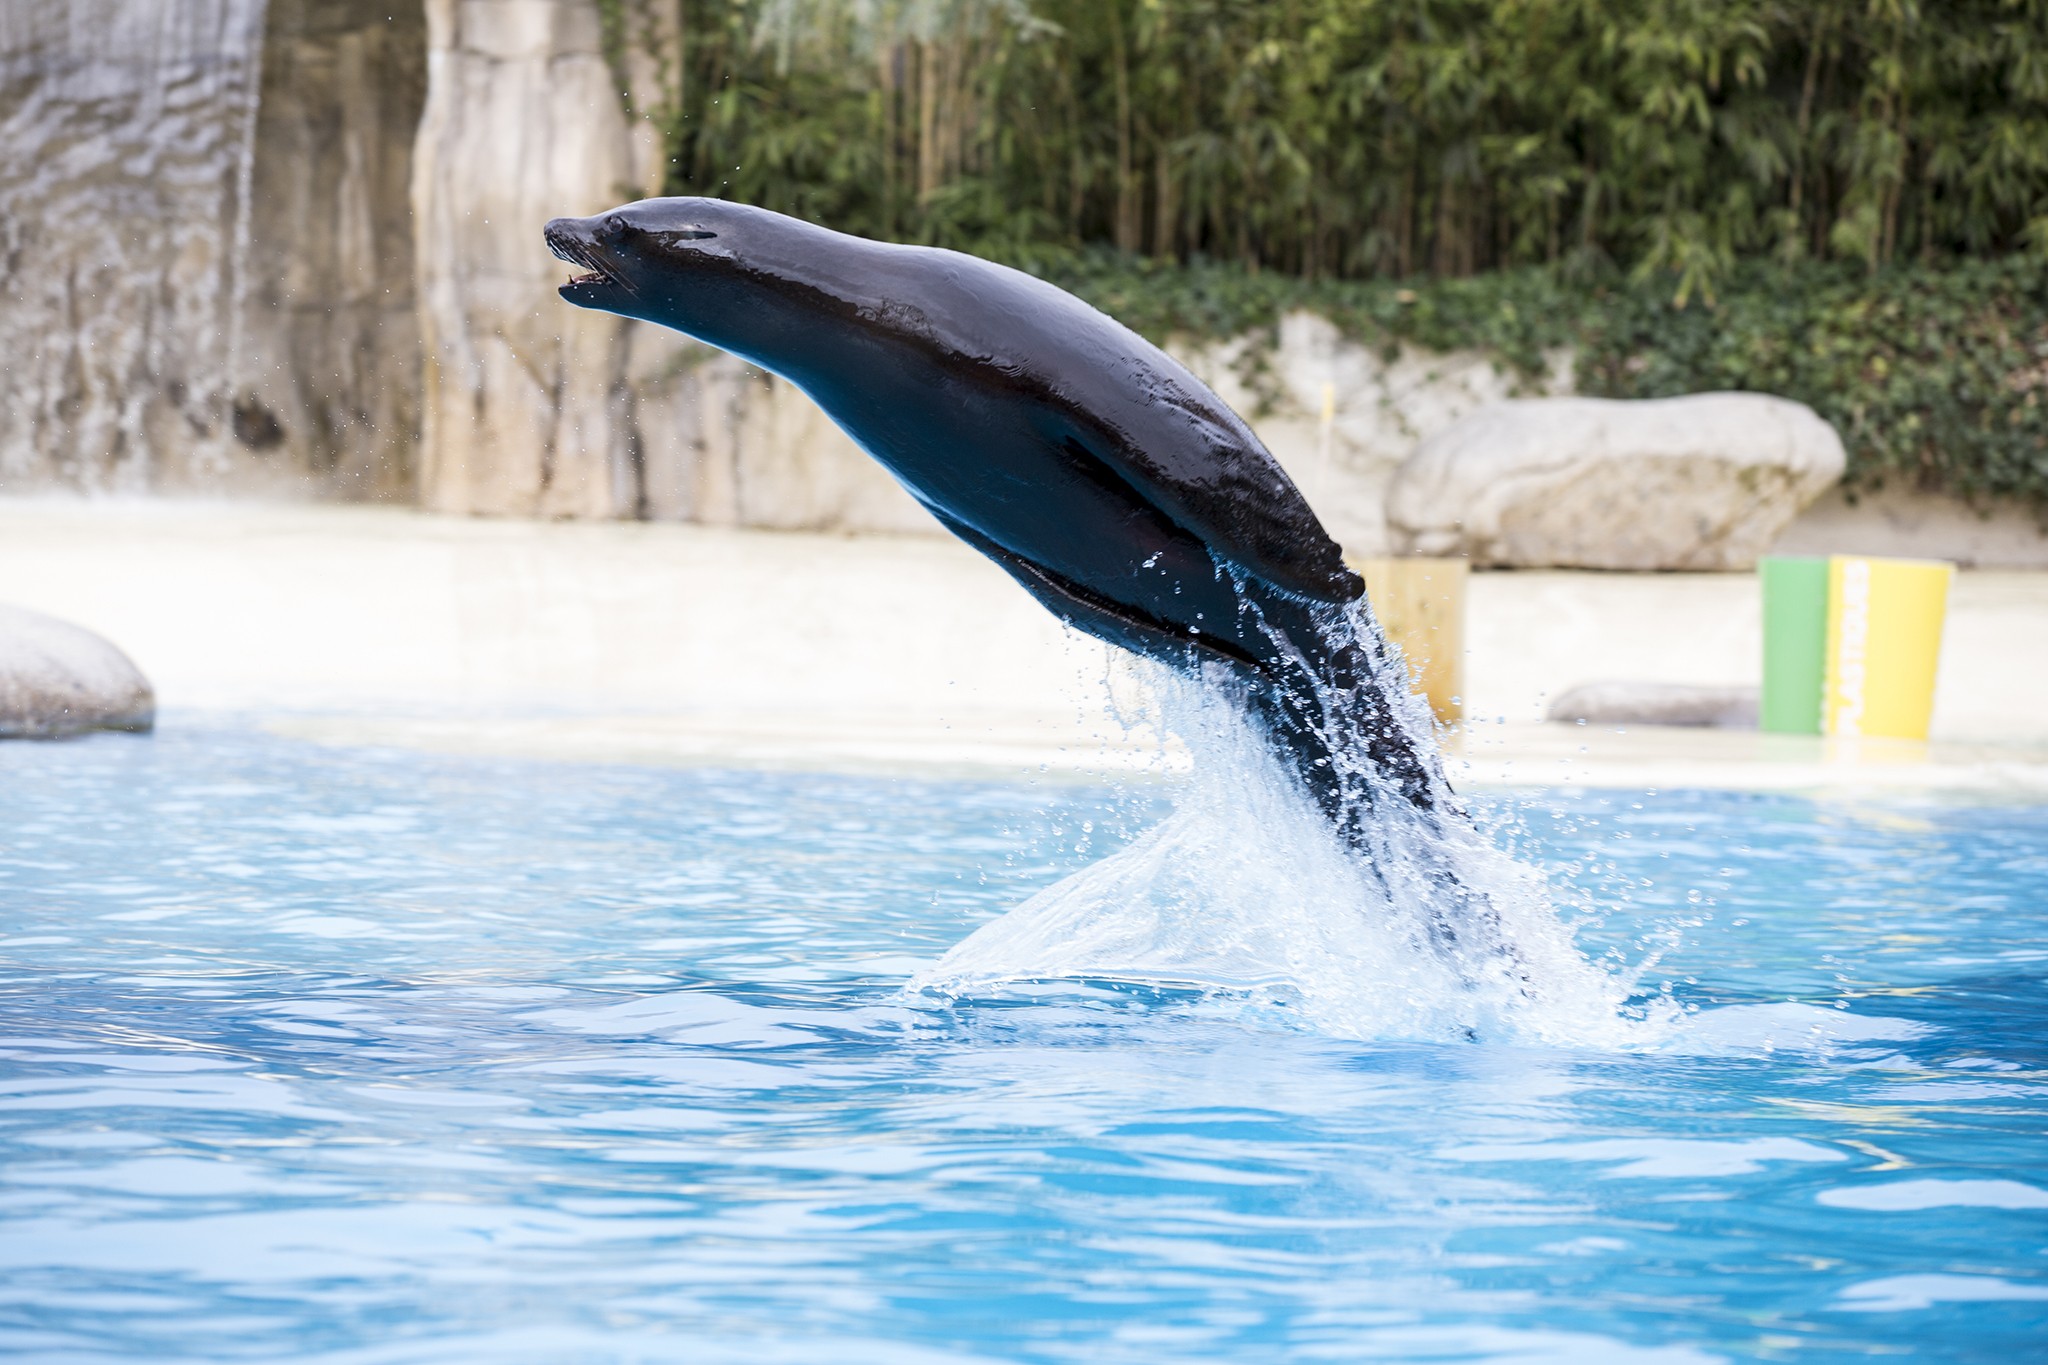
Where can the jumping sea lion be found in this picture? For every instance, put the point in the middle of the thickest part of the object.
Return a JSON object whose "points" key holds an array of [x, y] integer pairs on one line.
{"points": [[1105, 478]]}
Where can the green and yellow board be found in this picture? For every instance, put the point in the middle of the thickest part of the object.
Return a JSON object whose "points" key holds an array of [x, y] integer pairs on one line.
{"points": [[1852, 644]]}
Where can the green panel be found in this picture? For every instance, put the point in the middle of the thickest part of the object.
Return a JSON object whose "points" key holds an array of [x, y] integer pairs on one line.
{"points": [[1795, 644]]}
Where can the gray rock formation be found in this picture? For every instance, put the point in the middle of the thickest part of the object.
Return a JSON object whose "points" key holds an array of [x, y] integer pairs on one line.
{"points": [[526, 402], [123, 192], [725, 445], [327, 393], [208, 291], [1653, 703], [57, 679], [1703, 482]]}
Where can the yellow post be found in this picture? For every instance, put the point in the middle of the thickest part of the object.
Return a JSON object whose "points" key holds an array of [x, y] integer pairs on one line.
{"points": [[1884, 643], [1420, 604]]}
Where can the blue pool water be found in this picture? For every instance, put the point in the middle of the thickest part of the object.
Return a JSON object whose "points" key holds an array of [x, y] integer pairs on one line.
{"points": [[320, 1054]]}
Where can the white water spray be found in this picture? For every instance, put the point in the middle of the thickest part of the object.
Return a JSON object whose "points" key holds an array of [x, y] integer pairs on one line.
{"points": [[1246, 889]]}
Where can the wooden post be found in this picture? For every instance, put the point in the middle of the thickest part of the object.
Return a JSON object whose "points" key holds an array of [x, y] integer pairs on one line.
{"points": [[1420, 604]]}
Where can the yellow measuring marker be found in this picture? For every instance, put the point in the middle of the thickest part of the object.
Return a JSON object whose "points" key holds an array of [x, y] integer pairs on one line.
{"points": [[1884, 644]]}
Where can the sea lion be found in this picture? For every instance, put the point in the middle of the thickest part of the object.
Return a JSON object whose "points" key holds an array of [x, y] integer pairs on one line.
{"points": [[1106, 479]]}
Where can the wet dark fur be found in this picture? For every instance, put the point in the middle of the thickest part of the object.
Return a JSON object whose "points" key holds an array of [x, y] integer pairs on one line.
{"points": [[1106, 479]]}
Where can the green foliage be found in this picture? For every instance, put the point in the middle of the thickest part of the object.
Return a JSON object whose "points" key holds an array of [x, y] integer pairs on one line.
{"points": [[1359, 138], [1842, 201], [1516, 315], [1936, 377]]}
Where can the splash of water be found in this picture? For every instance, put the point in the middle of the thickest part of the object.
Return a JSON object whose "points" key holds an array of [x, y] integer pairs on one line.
{"points": [[1421, 929]]}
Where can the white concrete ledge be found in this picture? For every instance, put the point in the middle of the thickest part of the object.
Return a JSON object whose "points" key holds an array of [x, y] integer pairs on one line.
{"points": [[664, 643]]}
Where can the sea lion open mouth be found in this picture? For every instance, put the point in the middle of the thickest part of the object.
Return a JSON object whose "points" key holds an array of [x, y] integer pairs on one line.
{"points": [[569, 242]]}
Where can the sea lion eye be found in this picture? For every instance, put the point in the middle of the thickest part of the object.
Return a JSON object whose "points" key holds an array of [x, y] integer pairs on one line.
{"points": [[689, 234]]}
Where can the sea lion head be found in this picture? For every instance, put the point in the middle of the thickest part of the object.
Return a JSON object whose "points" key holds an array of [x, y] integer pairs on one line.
{"points": [[720, 271]]}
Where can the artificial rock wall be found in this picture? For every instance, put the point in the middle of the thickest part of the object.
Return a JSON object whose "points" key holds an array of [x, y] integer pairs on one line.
{"points": [[292, 248], [327, 398], [525, 410], [124, 159], [206, 246], [535, 408]]}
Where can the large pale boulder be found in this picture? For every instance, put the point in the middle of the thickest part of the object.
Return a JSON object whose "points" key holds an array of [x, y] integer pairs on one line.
{"points": [[1341, 414], [58, 679], [1702, 482]]}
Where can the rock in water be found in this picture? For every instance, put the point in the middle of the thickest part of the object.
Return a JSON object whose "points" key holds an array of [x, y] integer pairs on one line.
{"points": [[57, 679], [1702, 482]]}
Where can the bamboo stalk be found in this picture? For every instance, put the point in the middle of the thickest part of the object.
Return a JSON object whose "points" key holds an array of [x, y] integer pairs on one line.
{"points": [[1126, 196]]}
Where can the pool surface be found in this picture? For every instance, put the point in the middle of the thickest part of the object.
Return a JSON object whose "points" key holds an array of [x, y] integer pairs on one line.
{"points": [[347, 1055]]}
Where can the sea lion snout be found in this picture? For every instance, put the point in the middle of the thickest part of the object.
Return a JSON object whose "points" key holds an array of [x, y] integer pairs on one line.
{"points": [[565, 235], [622, 249], [580, 241]]}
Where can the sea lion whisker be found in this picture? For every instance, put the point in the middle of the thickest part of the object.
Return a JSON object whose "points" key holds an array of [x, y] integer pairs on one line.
{"points": [[567, 248]]}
